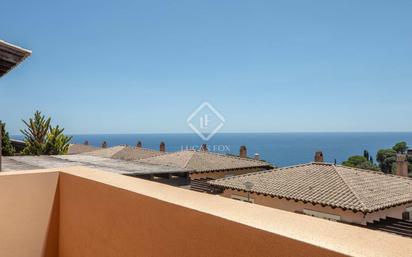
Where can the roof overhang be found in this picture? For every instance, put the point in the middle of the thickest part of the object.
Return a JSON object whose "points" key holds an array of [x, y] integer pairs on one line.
{"points": [[11, 56]]}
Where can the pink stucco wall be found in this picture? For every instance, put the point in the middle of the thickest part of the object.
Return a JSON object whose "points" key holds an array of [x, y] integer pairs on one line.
{"points": [[29, 214]]}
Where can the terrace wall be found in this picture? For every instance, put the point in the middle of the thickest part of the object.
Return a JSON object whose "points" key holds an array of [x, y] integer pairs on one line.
{"points": [[85, 212], [100, 220], [29, 215]]}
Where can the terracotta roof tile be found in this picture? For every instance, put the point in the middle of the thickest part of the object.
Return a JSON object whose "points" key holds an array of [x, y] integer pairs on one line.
{"points": [[202, 161], [124, 153], [80, 148], [327, 184]]}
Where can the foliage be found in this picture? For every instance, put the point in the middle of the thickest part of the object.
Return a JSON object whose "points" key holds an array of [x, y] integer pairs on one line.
{"points": [[386, 158], [400, 147], [354, 161], [7, 147], [57, 143], [366, 154], [36, 134], [360, 162], [42, 138]]}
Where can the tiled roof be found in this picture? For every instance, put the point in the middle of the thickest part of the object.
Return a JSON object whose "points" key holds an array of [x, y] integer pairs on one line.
{"points": [[125, 153], [327, 184], [80, 148], [202, 161]]}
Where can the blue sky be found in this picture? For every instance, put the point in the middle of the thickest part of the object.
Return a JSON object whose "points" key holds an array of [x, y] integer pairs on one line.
{"points": [[266, 66]]}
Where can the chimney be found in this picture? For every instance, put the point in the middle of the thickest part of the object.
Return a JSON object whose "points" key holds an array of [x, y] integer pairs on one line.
{"points": [[104, 144], [86, 142], [204, 148], [319, 156], [139, 144], [162, 147], [243, 152], [257, 157], [402, 165]]}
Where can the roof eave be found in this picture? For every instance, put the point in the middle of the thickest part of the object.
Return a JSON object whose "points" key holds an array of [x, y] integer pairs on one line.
{"points": [[293, 199], [13, 49], [229, 169]]}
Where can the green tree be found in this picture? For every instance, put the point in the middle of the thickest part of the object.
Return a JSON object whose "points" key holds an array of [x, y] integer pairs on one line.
{"points": [[42, 138], [400, 147], [35, 134], [360, 162], [366, 154], [368, 166], [354, 161], [386, 158], [57, 143], [7, 147]]}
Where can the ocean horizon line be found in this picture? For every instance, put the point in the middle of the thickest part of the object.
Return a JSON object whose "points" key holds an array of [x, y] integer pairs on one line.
{"points": [[281, 132]]}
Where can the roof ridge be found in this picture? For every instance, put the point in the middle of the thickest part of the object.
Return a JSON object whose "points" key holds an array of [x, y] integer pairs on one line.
{"points": [[244, 175], [165, 153], [232, 156], [144, 149], [121, 148], [264, 171], [188, 160], [100, 149], [350, 188], [294, 166]]}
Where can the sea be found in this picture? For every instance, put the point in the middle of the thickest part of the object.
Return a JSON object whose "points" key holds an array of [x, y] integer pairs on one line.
{"points": [[280, 149]]}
